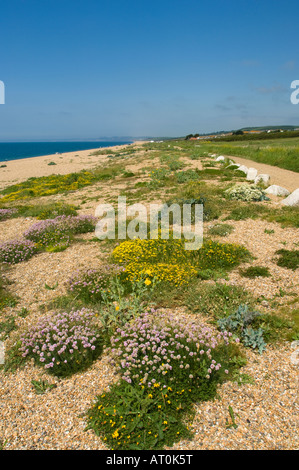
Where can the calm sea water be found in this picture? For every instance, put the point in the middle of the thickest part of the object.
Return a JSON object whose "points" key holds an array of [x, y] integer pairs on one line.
{"points": [[17, 150]]}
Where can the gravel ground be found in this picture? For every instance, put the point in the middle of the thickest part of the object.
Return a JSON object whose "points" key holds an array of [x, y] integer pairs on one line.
{"points": [[266, 411]]}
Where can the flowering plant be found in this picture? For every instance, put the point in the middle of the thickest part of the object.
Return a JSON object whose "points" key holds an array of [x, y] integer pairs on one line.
{"points": [[16, 251], [245, 192], [151, 351], [6, 213], [63, 343], [91, 285], [166, 260], [58, 231], [165, 367]]}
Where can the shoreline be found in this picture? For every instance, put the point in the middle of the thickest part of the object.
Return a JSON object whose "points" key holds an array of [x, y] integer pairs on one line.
{"points": [[21, 169]]}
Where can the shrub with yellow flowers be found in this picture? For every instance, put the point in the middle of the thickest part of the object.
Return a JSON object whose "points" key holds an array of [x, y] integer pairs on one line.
{"points": [[164, 260], [167, 261]]}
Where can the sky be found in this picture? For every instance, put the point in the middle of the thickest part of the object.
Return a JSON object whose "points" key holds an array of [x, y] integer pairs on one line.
{"points": [[80, 70]]}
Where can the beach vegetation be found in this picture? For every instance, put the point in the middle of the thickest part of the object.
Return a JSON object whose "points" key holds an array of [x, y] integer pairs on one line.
{"points": [[63, 343], [164, 368], [288, 259]]}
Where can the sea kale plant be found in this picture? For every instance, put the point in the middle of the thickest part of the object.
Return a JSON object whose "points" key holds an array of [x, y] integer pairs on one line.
{"points": [[246, 192], [63, 343], [240, 323]]}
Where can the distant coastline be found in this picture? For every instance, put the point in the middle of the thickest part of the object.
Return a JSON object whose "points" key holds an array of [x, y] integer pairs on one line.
{"points": [[20, 169], [21, 150]]}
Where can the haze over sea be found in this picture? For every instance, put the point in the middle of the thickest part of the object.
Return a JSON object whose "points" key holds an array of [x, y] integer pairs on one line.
{"points": [[17, 150]]}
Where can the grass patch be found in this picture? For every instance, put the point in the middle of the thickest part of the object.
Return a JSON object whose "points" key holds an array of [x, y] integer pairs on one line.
{"points": [[221, 230], [216, 300], [255, 271], [283, 152], [288, 259]]}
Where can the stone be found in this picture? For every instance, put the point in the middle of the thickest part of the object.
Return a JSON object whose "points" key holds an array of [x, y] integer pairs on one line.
{"points": [[251, 174], [292, 199], [277, 190], [243, 168], [220, 159], [262, 178]]}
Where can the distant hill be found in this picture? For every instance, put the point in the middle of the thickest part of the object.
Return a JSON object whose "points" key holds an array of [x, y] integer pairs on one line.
{"points": [[268, 128]]}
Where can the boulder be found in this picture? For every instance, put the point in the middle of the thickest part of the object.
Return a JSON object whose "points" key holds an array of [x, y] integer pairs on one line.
{"points": [[220, 159], [243, 168], [251, 174], [292, 199], [262, 178], [277, 190]]}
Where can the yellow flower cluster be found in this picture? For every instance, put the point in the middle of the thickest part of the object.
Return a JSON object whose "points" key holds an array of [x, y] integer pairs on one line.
{"points": [[150, 250], [158, 259], [175, 274], [47, 185]]}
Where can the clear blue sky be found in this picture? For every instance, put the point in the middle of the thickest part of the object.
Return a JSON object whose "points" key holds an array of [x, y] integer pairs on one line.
{"points": [[77, 69]]}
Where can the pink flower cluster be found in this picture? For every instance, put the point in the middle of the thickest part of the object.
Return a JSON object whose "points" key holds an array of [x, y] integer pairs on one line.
{"points": [[62, 340], [16, 251], [6, 213], [152, 349]]}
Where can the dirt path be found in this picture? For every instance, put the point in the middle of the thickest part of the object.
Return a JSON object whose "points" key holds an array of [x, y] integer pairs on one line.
{"points": [[285, 178]]}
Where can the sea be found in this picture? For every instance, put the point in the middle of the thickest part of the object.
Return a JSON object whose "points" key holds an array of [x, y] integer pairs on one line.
{"points": [[17, 150]]}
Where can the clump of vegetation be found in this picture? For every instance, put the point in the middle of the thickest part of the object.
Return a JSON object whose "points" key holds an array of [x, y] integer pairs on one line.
{"points": [[186, 176], [41, 386], [91, 285], [16, 251], [216, 300], [245, 192], [53, 184], [221, 230], [223, 256], [56, 234], [255, 271], [240, 322], [160, 260], [63, 343], [6, 213], [165, 367], [288, 259], [7, 325]]}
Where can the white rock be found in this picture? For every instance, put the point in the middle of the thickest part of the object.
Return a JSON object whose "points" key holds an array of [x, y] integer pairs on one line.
{"points": [[220, 159], [243, 168], [264, 178], [252, 174], [277, 190], [292, 199]]}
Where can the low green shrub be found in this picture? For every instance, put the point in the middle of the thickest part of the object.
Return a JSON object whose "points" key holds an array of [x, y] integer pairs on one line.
{"points": [[240, 323], [288, 259], [221, 230], [255, 271], [246, 192]]}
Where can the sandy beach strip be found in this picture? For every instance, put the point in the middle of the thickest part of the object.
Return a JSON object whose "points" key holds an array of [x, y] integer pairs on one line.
{"points": [[20, 170]]}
